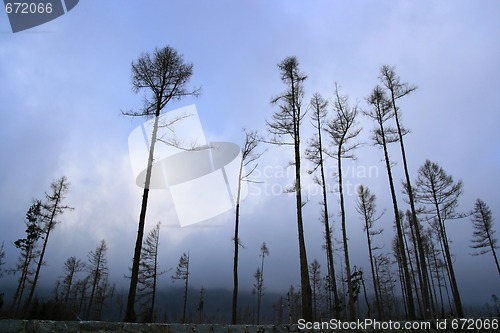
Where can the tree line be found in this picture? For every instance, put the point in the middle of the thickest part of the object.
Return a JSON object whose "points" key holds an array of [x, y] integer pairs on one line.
{"points": [[415, 280]]}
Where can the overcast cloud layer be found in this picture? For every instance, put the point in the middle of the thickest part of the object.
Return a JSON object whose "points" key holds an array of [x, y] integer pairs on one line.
{"points": [[65, 83]]}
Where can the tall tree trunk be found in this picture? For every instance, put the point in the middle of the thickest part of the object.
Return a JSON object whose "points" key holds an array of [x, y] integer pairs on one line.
{"points": [[350, 289], [454, 286], [399, 232], [130, 315]]}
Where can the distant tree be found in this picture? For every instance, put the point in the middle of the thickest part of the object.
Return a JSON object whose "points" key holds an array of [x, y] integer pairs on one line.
{"points": [[165, 75], [439, 193], [315, 153], [259, 276], [366, 206], [248, 157], [182, 273], [98, 272], [315, 271], [201, 305], [287, 122], [71, 267], [51, 209], [2, 259], [483, 236], [382, 136], [29, 253], [149, 272], [342, 131]]}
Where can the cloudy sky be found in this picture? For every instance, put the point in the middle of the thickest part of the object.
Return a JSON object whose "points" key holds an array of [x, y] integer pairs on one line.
{"points": [[65, 83]]}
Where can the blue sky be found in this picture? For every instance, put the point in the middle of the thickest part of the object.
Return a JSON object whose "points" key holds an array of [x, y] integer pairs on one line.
{"points": [[66, 82]]}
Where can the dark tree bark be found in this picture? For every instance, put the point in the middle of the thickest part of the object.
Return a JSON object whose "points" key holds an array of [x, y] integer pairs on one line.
{"points": [[165, 75], [287, 122]]}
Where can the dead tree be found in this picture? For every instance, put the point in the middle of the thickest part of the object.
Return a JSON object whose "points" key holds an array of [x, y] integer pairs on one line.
{"points": [[248, 160], [287, 122], [315, 153], [484, 240], [439, 193], [382, 136], [342, 132], [165, 76]]}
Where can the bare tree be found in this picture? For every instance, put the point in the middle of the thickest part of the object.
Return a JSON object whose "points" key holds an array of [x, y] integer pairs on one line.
{"points": [[149, 272], [315, 271], [71, 267], [342, 130], [248, 159], [165, 76], [315, 153], [51, 209], [366, 206], [287, 122], [201, 304], [397, 90], [259, 276], [98, 271], [182, 273], [382, 136], [483, 236], [439, 193]]}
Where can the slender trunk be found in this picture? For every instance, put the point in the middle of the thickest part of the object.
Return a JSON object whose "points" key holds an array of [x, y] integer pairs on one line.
{"points": [[490, 240], [372, 266], [352, 308], [304, 267], [234, 312], [185, 292], [50, 225], [328, 237], [453, 281], [130, 315], [413, 279], [404, 261], [94, 285]]}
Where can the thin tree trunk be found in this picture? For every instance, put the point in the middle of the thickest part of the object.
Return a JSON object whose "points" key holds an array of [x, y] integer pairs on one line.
{"points": [[130, 315], [234, 312]]}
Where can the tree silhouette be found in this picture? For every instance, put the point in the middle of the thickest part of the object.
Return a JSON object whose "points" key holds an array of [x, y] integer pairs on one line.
{"points": [[315, 153], [342, 130], [366, 206], [439, 193], [248, 156], [165, 76], [382, 136], [287, 122], [483, 236], [98, 271], [149, 272], [28, 254], [51, 209], [182, 273]]}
